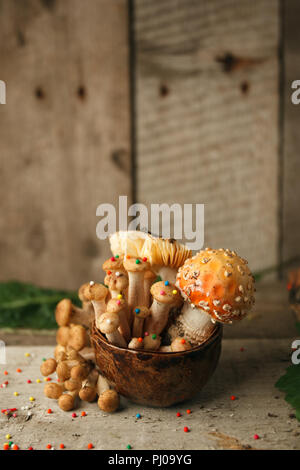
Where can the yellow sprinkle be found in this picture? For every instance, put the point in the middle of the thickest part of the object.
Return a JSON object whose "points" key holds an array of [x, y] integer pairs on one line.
{"points": [[27, 354], [45, 379], [38, 381], [174, 292], [31, 399], [16, 394], [8, 436], [120, 296]]}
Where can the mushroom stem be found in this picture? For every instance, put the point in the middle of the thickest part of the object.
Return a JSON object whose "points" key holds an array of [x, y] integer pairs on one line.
{"points": [[117, 339], [148, 281], [136, 343], [102, 384], [166, 273], [140, 314], [195, 323], [135, 289], [158, 318], [109, 325], [88, 390], [99, 309]]}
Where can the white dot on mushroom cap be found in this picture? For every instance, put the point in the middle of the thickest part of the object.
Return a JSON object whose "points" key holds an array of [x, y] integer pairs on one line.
{"points": [[108, 321], [238, 299], [117, 274]]}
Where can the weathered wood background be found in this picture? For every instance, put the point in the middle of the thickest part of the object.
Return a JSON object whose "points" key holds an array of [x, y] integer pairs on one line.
{"points": [[206, 91]]}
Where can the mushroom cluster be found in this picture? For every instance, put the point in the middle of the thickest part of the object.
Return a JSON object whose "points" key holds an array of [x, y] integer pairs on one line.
{"points": [[156, 296]]}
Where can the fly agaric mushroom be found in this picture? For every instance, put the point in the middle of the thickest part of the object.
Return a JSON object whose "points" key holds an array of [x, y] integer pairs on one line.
{"points": [[149, 278], [152, 342], [119, 306], [117, 282], [62, 335], [109, 324], [109, 399], [97, 293], [53, 390], [165, 296], [48, 367], [136, 343], [136, 268], [217, 285], [66, 313], [67, 400], [165, 256], [140, 314], [88, 391]]}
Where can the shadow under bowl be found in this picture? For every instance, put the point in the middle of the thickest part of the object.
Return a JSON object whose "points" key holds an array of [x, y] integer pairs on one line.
{"points": [[157, 378]]}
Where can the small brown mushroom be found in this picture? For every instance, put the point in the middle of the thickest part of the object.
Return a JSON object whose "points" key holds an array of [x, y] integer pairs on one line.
{"points": [[180, 344], [63, 369], [165, 296], [72, 385], [140, 314], [136, 268], [109, 399], [117, 282], [60, 353], [62, 335], [67, 400], [66, 313], [152, 342], [53, 390], [97, 293], [165, 349], [113, 264], [86, 304], [88, 391], [109, 324], [120, 307], [48, 367], [136, 343], [78, 337]]}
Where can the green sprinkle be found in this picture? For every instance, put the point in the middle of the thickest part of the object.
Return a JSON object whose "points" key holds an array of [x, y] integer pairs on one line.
{"points": [[137, 261], [10, 443], [128, 446], [117, 256], [153, 336], [43, 359]]}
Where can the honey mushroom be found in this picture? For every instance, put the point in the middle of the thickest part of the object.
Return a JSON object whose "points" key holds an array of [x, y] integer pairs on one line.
{"points": [[109, 324], [117, 283], [48, 367], [165, 256], [149, 278], [120, 307], [109, 400], [217, 285], [165, 296], [67, 400], [113, 264], [72, 385], [78, 337], [136, 343], [136, 268], [152, 342], [54, 390], [97, 293], [140, 315], [66, 313], [88, 390], [65, 352], [86, 304], [63, 335]]}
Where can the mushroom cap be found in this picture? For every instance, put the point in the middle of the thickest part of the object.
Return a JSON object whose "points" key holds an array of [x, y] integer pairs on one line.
{"points": [[127, 242], [135, 343], [115, 263], [66, 402], [81, 291], [150, 275], [109, 401], [95, 291], [53, 390], [165, 252], [141, 312], [180, 344], [116, 305], [166, 294], [218, 282], [88, 394], [78, 337], [72, 384], [109, 322], [48, 367], [62, 335], [117, 280], [132, 264], [63, 312], [152, 342]]}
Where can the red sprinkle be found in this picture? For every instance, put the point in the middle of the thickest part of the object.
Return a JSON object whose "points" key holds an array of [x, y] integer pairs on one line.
{"points": [[233, 397], [48, 379], [145, 259], [186, 429], [6, 382], [146, 333], [182, 341], [30, 448], [61, 446], [118, 302], [188, 412], [6, 447], [83, 413], [29, 381], [5, 372], [49, 411], [256, 436], [19, 370], [74, 415], [140, 340], [15, 447], [90, 445], [15, 415], [108, 272], [49, 446], [162, 292], [113, 258], [178, 414]]}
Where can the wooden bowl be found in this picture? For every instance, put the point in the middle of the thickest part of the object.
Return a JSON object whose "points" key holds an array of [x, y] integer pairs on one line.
{"points": [[157, 378]]}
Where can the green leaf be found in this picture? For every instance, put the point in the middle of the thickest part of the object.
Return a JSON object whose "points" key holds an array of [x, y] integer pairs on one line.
{"points": [[290, 384], [28, 306]]}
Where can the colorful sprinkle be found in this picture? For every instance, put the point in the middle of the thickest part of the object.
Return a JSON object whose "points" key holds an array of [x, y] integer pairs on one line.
{"points": [[145, 259], [127, 256], [118, 302], [242, 349], [113, 258], [153, 336], [90, 446], [29, 381], [167, 283], [140, 340], [61, 446], [48, 446], [117, 256], [256, 436], [137, 261], [137, 310], [146, 333], [138, 416], [83, 413], [233, 397], [128, 447], [16, 394], [27, 354], [44, 357], [119, 296], [19, 370], [6, 446], [109, 273], [74, 415], [48, 379], [31, 399], [49, 411], [38, 381], [15, 415], [15, 447], [174, 292], [178, 414], [188, 412], [8, 436], [182, 341], [5, 372], [186, 429], [162, 292], [30, 448]]}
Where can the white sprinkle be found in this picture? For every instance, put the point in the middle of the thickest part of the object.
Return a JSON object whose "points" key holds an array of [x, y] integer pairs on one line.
{"points": [[238, 299], [241, 289], [92, 283], [118, 274], [108, 321]]}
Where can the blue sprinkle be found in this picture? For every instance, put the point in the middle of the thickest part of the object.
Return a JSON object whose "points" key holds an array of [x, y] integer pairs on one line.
{"points": [[137, 310], [166, 283], [138, 416]]}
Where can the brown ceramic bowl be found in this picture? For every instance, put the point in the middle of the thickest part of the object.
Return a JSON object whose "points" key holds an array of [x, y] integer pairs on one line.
{"points": [[157, 378]]}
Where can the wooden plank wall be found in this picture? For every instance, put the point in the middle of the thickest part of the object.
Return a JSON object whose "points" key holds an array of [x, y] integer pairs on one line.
{"points": [[291, 133], [64, 135], [207, 116]]}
